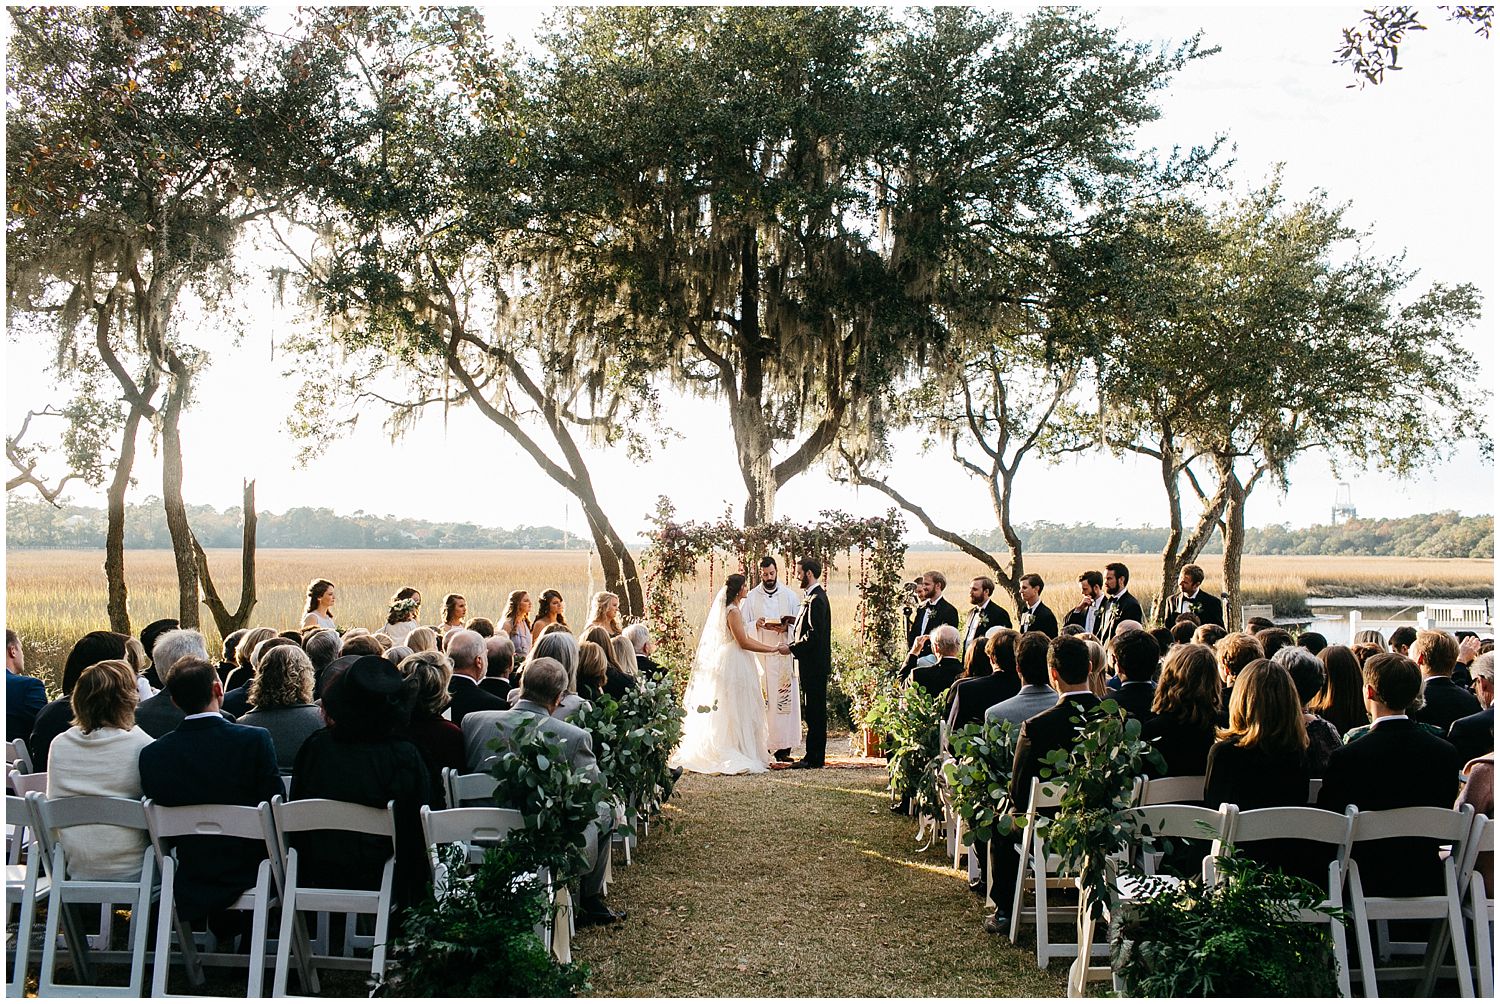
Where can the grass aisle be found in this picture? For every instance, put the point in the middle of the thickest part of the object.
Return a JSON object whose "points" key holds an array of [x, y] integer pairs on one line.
{"points": [[798, 883]]}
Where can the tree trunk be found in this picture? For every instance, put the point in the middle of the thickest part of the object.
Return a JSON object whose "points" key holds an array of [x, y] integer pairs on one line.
{"points": [[114, 535], [1171, 561], [184, 551], [229, 622], [1234, 549], [747, 415]]}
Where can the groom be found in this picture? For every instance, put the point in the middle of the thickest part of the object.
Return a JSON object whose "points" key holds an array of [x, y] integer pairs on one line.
{"points": [[813, 648]]}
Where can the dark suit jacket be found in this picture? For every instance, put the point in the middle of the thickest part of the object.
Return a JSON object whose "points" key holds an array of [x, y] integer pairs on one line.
{"points": [[499, 686], [943, 612], [52, 721], [1251, 778], [1473, 736], [1055, 728], [1184, 747], [24, 697], [648, 668], [1135, 697], [990, 615], [212, 761], [1043, 620], [469, 696], [158, 715], [813, 648], [441, 744], [938, 677], [617, 683], [973, 697], [1123, 608], [237, 701], [1445, 702], [1208, 607], [1395, 765]]}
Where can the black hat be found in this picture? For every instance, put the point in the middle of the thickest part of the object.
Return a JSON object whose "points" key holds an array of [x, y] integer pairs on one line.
{"points": [[371, 697]]}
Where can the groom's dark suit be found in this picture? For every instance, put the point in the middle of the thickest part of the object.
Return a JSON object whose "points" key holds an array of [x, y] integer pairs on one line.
{"points": [[813, 648]]}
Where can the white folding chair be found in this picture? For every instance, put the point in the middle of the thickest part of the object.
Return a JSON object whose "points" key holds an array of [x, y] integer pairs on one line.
{"points": [[1446, 825], [52, 816], [1331, 829], [169, 824], [467, 790], [476, 829], [18, 758], [1479, 904], [1038, 873], [1167, 820], [1170, 790], [25, 886], [317, 814], [20, 785]]}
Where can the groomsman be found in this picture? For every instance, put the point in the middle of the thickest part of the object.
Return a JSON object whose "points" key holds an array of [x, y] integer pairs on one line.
{"points": [[1089, 614], [934, 611], [1190, 598], [986, 614], [1035, 615], [1119, 605]]}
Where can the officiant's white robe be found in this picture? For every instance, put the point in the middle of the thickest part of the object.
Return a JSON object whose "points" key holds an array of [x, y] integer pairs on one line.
{"points": [[778, 673]]}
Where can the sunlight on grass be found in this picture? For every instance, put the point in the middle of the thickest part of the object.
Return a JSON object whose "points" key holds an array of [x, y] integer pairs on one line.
{"points": [[918, 865]]}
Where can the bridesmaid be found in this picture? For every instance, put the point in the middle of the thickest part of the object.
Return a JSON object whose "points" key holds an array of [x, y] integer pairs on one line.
{"points": [[517, 623], [320, 599], [551, 612]]}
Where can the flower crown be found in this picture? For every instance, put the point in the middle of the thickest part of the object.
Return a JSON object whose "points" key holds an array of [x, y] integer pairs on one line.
{"points": [[405, 606]]}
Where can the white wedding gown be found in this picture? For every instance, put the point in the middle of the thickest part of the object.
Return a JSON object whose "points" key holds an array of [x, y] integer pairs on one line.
{"points": [[725, 729]]}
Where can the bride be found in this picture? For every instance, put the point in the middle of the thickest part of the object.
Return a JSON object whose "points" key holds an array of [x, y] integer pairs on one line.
{"points": [[725, 730]]}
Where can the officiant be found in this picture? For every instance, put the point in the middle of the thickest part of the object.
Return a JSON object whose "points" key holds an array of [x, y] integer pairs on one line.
{"points": [[772, 608]]}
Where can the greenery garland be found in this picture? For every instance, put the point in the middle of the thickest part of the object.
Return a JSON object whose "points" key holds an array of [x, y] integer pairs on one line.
{"points": [[676, 550], [633, 739], [979, 777], [910, 718]]}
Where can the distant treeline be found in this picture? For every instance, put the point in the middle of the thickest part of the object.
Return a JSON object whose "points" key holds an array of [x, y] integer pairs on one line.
{"points": [[37, 524], [1432, 535]]}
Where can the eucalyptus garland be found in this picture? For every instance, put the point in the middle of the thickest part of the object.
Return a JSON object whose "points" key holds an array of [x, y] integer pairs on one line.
{"points": [[979, 777], [909, 719], [633, 739], [557, 801]]}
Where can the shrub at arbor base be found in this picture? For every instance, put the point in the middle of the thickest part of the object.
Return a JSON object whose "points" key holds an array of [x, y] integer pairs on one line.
{"points": [[1241, 938]]}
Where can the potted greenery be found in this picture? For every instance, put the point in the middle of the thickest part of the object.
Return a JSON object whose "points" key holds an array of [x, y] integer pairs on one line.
{"points": [[862, 685]]}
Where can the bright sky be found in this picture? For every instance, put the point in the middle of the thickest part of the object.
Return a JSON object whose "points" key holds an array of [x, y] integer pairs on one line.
{"points": [[1414, 156]]}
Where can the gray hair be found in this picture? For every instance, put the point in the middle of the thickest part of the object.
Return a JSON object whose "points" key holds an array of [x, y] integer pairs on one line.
{"points": [[544, 681], [563, 647], [1484, 666], [502, 652], [398, 652], [465, 648], [945, 639], [639, 635], [175, 646], [322, 647]]}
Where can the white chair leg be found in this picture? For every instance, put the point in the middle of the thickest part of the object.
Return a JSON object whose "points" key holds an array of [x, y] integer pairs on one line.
{"points": [[1023, 852], [284, 941], [29, 896], [166, 914], [259, 921], [140, 928], [1369, 986], [1458, 939], [1039, 900]]}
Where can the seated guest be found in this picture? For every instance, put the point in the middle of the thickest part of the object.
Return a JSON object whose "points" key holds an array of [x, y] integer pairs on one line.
{"points": [[231, 643], [593, 670], [1474, 736], [139, 662], [1035, 695], [621, 669], [482, 626], [1255, 625], [244, 657], [1185, 708], [208, 760], [1306, 671], [563, 647], [440, 742], [421, 639], [1401, 639], [470, 659], [1341, 702], [149, 636], [541, 688], [1312, 641], [282, 695], [237, 699], [1273, 640], [1371, 637], [1053, 729], [396, 653], [24, 695], [360, 644], [1479, 791], [1395, 765], [500, 662], [1443, 701], [159, 715], [646, 668], [55, 717], [1183, 631], [974, 695], [99, 756], [361, 757], [1260, 761], [1208, 634], [1101, 683], [1235, 652], [516, 624], [1136, 655], [941, 675], [606, 608], [1162, 636]]}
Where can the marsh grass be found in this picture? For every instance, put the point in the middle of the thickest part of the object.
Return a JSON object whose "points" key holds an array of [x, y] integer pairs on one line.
{"points": [[54, 597]]}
